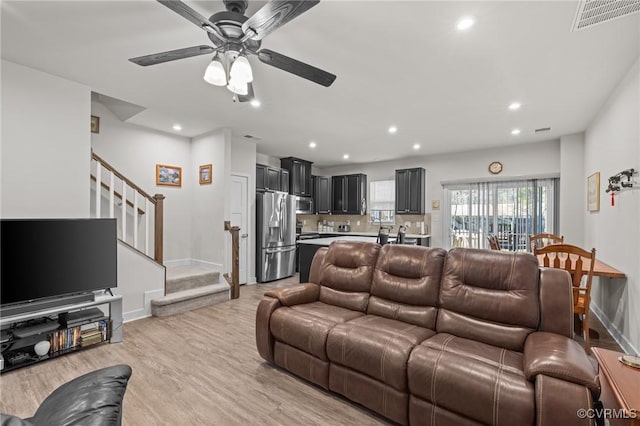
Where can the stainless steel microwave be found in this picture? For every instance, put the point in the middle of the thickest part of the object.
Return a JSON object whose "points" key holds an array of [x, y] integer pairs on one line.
{"points": [[304, 205]]}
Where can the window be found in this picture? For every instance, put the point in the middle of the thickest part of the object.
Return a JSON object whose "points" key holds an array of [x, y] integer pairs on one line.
{"points": [[382, 201], [511, 210]]}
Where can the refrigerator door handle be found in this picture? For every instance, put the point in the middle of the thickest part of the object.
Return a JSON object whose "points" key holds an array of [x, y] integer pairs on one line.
{"points": [[280, 250]]}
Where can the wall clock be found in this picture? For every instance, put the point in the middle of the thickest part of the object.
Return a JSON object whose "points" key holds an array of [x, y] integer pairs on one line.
{"points": [[495, 167]]}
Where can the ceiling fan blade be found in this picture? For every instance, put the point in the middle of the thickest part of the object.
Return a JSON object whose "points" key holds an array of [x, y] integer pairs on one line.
{"points": [[298, 68], [191, 15], [249, 96], [172, 55], [275, 14]]}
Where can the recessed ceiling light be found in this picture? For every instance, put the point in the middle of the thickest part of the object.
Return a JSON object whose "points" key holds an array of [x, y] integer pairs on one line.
{"points": [[416, 146], [515, 132], [514, 106], [346, 156], [465, 23], [177, 127], [255, 103], [312, 145], [393, 129]]}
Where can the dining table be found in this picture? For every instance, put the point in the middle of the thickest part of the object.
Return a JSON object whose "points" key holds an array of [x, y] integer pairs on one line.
{"points": [[600, 269]]}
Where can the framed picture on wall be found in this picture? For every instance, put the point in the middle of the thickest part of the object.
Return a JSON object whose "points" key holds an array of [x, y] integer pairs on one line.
{"points": [[593, 192], [205, 174], [168, 175], [95, 124]]}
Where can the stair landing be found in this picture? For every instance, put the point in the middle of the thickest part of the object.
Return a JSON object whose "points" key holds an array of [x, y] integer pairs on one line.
{"points": [[190, 287]]}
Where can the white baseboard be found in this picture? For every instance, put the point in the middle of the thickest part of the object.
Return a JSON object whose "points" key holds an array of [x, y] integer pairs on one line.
{"points": [[204, 262], [620, 338], [185, 262], [134, 315], [252, 281], [177, 262]]}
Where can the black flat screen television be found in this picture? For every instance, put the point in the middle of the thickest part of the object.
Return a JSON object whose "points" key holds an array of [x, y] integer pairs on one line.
{"points": [[46, 258]]}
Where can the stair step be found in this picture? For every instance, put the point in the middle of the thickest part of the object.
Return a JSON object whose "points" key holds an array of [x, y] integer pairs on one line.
{"points": [[187, 300], [188, 282]]}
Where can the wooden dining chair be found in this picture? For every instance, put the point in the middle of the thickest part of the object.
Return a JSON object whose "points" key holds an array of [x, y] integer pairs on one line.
{"points": [[579, 263], [541, 240], [494, 243]]}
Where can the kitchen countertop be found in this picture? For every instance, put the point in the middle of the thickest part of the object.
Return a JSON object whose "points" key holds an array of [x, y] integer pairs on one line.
{"points": [[328, 240], [365, 234]]}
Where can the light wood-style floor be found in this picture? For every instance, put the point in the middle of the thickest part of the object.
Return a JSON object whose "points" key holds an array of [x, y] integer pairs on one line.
{"points": [[198, 368]]}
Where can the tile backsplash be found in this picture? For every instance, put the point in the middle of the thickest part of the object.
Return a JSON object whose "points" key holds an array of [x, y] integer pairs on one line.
{"points": [[310, 222]]}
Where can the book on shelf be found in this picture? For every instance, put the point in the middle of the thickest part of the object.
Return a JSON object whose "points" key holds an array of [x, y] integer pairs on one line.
{"points": [[80, 336]]}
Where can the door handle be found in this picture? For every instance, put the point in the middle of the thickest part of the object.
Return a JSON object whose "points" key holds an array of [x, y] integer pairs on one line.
{"points": [[244, 235], [280, 250]]}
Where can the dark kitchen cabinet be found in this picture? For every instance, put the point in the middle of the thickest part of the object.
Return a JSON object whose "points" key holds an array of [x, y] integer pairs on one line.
{"points": [[299, 176], [270, 178], [322, 194], [349, 194], [284, 180], [410, 186]]}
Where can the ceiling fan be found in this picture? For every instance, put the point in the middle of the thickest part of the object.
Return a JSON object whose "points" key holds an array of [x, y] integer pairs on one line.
{"points": [[234, 37]]}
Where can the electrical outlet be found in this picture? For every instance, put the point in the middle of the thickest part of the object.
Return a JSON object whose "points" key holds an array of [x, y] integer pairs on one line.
{"points": [[304, 222], [357, 223], [407, 224]]}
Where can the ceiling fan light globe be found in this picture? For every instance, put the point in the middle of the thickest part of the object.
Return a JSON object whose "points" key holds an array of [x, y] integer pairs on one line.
{"points": [[238, 87], [241, 70], [214, 74]]}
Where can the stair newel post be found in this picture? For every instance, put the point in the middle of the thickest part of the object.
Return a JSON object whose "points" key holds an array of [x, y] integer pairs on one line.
{"points": [[98, 189], [235, 259], [158, 231]]}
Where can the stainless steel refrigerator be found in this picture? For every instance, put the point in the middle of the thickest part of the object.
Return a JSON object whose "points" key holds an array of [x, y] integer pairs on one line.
{"points": [[276, 231]]}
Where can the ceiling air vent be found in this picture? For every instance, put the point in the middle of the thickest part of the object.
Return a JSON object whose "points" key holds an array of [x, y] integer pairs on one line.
{"points": [[543, 129], [594, 12], [251, 137]]}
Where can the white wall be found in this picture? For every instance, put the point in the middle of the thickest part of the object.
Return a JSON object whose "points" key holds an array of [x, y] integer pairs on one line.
{"points": [[243, 162], [137, 276], [267, 160], [520, 161], [612, 144], [573, 199], [134, 151], [210, 203], [45, 144]]}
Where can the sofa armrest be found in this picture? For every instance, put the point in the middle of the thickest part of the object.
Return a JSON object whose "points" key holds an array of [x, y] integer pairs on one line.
{"points": [[558, 356], [556, 302], [264, 339], [296, 295]]}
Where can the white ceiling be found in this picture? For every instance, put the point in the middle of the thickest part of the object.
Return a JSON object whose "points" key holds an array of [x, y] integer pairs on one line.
{"points": [[401, 63]]}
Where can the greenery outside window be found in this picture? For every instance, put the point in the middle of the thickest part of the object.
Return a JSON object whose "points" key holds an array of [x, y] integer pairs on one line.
{"points": [[382, 201]]}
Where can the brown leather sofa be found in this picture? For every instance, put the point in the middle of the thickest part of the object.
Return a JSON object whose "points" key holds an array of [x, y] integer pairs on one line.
{"points": [[426, 337]]}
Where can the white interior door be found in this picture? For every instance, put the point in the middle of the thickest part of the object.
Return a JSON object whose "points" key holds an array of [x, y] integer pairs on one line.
{"points": [[240, 217]]}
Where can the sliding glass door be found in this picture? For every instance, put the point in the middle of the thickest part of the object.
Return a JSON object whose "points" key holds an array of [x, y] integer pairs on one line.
{"points": [[512, 210]]}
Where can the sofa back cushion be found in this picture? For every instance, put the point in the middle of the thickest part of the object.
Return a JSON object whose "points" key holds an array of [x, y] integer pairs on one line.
{"points": [[406, 283], [489, 296], [345, 276]]}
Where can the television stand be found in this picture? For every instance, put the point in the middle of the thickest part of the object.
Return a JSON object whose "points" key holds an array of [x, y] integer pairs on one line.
{"points": [[18, 349]]}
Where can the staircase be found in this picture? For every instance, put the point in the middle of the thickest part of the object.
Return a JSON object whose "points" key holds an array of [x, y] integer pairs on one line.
{"points": [[190, 287], [139, 217]]}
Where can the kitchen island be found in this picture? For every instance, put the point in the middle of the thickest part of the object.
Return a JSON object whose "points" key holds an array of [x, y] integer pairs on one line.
{"points": [[308, 248]]}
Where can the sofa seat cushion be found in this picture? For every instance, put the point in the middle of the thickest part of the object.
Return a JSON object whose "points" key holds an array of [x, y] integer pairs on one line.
{"points": [[474, 379], [376, 346], [307, 326]]}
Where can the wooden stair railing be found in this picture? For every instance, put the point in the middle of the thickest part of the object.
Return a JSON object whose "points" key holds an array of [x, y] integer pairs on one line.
{"points": [[154, 202], [234, 280]]}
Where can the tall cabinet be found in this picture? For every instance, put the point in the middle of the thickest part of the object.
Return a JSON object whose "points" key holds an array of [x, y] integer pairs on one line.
{"points": [[410, 186], [349, 194], [322, 194], [299, 176]]}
